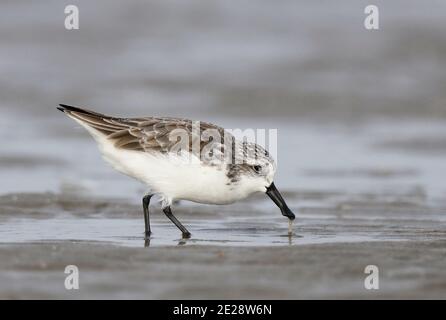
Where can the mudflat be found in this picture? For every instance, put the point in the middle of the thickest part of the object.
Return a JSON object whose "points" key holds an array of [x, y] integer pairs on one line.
{"points": [[230, 255]]}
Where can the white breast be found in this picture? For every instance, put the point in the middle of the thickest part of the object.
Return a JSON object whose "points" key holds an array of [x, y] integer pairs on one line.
{"points": [[173, 177]]}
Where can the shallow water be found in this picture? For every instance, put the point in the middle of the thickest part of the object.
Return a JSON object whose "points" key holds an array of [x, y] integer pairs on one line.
{"points": [[322, 218], [345, 183], [230, 232]]}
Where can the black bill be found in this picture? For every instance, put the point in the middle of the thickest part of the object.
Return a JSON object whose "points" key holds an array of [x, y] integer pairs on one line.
{"points": [[275, 195]]}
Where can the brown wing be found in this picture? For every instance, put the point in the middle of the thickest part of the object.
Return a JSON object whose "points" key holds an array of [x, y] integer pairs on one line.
{"points": [[148, 134]]}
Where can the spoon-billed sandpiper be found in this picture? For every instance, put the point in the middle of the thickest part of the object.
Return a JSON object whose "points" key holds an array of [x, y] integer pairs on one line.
{"points": [[179, 159]]}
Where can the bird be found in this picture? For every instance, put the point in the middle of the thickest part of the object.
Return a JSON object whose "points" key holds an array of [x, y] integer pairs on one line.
{"points": [[180, 159]]}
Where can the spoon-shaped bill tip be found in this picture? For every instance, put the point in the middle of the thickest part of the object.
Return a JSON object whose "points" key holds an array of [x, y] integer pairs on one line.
{"points": [[277, 198]]}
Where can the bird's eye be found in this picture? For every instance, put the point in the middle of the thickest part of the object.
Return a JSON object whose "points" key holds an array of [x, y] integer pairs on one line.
{"points": [[257, 168]]}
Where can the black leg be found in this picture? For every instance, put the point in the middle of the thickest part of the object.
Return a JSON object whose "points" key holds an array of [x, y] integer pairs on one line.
{"points": [[145, 205], [168, 213]]}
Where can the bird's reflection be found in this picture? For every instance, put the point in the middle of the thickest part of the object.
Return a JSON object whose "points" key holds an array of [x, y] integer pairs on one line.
{"points": [[290, 239], [181, 242]]}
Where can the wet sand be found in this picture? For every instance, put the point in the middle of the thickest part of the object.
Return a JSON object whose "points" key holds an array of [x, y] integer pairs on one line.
{"points": [[407, 270], [243, 253]]}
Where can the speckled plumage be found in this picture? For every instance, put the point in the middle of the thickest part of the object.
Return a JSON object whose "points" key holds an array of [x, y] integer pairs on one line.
{"points": [[181, 159], [229, 164]]}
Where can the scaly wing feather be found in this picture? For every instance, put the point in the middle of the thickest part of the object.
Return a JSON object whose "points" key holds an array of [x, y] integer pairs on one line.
{"points": [[145, 134]]}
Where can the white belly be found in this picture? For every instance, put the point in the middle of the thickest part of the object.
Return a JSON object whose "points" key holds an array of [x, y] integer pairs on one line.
{"points": [[173, 177]]}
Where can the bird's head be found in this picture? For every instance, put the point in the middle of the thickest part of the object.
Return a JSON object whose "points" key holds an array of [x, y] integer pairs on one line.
{"points": [[256, 173]]}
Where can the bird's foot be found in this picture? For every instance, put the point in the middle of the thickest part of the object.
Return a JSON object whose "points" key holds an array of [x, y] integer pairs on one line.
{"points": [[147, 235]]}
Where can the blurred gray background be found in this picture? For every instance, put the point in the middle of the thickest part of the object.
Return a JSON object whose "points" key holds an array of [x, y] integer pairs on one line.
{"points": [[336, 92], [293, 59]]}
